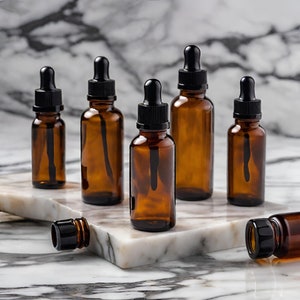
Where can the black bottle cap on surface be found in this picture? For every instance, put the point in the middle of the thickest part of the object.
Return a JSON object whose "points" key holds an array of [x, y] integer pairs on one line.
{"points": [[247, 106], [153, 113], [70, 234], [192, 77], [260, 240], [47, 97], [101, 87]]}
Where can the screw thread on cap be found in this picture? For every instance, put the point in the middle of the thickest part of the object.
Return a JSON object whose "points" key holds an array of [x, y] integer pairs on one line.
{"points": [[153, 113], [47, 98], [247, 106], [192, 77], [101, 87], [70, 234]]}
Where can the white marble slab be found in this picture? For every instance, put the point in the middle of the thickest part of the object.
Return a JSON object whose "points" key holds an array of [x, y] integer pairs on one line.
{"points": [[201, 227]]}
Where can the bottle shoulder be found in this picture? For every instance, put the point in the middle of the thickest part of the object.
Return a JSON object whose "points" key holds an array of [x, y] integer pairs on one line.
{"points": [[92, 112], [183, 102], [144, 141], [237, 129], [40, 121]]}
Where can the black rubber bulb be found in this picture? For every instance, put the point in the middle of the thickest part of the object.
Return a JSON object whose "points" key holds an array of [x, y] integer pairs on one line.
{"points": [[101, 68], [152, 90], [47, 79], [247, 89], [192, 58]]}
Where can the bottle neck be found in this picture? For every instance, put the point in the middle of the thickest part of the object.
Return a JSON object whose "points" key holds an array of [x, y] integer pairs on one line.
{"points": [[154, 134], [83, 232], [48, 116], [101, 104], [247, 123], [200, 94], [277, 230]]}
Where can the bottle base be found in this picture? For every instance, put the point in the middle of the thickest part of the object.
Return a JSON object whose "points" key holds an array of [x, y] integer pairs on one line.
{"points": [[101, 199], [48, 185], [192, 194], [244, 200], [152, 225]]}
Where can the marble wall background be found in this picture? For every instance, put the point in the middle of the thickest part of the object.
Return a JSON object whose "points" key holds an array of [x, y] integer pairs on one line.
{"points": [[144, 39]]}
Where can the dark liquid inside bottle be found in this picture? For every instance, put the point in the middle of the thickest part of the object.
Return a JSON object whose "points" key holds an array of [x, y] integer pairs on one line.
{"points": [[152, 190], [246, 163], [48, 151], [102, 154], [192, 130]]}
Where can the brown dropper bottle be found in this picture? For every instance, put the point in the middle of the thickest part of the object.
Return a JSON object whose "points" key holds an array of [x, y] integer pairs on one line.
{"points": [[246, 149], [192, 128], [102, 141], [48, 135], [277, 235], [152, 165]]}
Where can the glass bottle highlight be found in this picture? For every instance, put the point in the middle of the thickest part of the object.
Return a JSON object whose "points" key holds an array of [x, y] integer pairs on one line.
{"points": [[152, 165], [277, 235], [246, 149], [192, 128], [102, 141], [48, 135]]}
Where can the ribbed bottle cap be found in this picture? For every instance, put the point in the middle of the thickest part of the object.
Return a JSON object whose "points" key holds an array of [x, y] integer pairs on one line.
{"points": [[192, 77], [260, 240], [247, 106], [153, 113], [101, 87], [70, 234], [47, 97]]}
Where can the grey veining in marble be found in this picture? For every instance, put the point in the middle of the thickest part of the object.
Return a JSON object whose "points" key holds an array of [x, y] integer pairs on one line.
{"points": [[35, 271], [146, 39]]}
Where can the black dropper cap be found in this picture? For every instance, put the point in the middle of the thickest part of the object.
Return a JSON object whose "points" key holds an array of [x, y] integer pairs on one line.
{"points": [[260, 239], [70, 234], [101, 87], [47, 97], [192, 77], [247, 106], [153, 113]]}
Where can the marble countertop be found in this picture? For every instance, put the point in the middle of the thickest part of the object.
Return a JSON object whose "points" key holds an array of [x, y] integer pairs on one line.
{"points": [[32, 269], [145, 39]]}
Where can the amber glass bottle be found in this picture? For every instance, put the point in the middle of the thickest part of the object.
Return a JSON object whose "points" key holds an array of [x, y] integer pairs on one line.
{"points": [[192, 128], [278, 235], [102, 141], [152, 165], [48, 135], [70, 234], [246, 149]]}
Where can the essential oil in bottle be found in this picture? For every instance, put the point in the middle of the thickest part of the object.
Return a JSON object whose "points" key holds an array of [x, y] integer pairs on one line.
{"points": [[277, 235], [246, 149], [152, 165], [192, 128], [70, 234], [102, 141], [48, 135]]}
